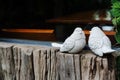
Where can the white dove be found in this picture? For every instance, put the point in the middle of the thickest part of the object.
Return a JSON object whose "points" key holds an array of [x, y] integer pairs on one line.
{"points": [[74, 43], [98, 42]]}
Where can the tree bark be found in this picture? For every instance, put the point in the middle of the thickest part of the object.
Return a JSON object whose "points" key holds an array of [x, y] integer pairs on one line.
{"points": [[6, 62], [28, 62]]}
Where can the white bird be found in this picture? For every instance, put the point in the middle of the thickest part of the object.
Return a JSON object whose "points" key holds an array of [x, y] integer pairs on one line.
{"points": [[74, 43], [98, 42]]}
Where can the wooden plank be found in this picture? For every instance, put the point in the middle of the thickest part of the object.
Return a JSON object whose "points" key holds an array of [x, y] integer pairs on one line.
{"points": [[43, 65], [36, 63], [48, 64], [33, 34], [23, 63], [109, 33], [50, 31], [17, 61], [69, 67], [77, 66], [60, 66], [53, 64], [6, 63]]}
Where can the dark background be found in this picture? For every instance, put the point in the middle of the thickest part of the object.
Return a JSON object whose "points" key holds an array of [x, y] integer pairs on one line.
{"points": [[33, 13]]}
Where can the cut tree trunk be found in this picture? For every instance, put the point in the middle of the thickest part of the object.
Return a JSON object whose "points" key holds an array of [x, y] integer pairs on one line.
{"points": [[29, 62]]}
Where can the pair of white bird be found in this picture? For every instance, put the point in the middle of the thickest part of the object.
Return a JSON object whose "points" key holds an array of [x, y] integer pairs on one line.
{"points": [[98, 42]]}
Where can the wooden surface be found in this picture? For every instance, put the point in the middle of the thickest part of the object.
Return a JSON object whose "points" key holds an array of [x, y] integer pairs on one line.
{"points": [[29, 30], [33, 34], [85, 17], [109, 33], [42, 34], [23, 62]]}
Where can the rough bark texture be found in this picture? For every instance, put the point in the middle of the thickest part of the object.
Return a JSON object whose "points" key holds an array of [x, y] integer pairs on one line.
{"points": [[23, 62]]}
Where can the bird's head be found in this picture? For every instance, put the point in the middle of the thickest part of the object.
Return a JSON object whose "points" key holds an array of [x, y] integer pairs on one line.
{"points": [[78, 33], [78, 30], [96, 31]]}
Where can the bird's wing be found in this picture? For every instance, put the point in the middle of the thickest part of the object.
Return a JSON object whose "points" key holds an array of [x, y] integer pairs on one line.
{"points": [[95, 43], [68, 45], [106, 41], [107, 45]]}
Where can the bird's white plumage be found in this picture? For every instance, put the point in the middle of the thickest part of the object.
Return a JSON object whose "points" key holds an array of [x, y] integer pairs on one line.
{"points": [[68, 45], [98, 42], [74, 43]]}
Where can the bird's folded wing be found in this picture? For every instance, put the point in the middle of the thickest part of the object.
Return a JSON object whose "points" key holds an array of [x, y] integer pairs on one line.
{"points": [[95, 43], [106, 41], [68, 45]]}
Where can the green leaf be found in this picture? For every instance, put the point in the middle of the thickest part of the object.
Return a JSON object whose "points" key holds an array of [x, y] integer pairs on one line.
{"points": [[115, 12], [117, 37], [116, 21], [116, 5]]}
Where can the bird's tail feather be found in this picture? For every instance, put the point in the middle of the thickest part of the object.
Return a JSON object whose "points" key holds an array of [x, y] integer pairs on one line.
{"points": [[56, 45], [108, 51]]}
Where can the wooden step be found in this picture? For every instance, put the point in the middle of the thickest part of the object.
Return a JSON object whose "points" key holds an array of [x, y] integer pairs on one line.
{"points": [[29, 30], [34, 34], [109, 33]]}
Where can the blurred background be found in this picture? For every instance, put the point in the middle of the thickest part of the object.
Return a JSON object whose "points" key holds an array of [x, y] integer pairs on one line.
{"points": [[29, 19], [33, 13]]}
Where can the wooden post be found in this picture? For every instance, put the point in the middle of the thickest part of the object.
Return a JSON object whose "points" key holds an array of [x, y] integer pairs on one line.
{"points": [[97, 68], [23, 62], [6, 62]]}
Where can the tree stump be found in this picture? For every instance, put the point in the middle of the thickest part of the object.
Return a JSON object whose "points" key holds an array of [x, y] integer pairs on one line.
{"points": [[28, 62], [6, 62], [97, 68]]}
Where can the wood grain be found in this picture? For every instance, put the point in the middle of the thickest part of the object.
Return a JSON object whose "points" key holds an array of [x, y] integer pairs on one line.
{"points": [[28, 62]]}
